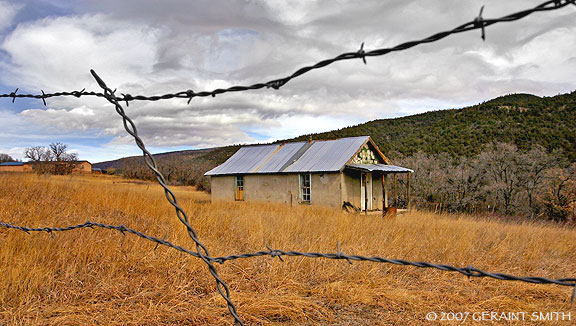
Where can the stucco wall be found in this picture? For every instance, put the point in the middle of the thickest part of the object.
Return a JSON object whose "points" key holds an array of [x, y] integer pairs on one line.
{"points": [[326, 189], [82, 167], [280, 188], [351, 189], [222, 187], [18, 168]]}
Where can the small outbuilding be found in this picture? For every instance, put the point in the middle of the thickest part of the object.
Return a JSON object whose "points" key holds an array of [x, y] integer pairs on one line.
{"points": [[336, 173], [74, 167], [15, 167]]}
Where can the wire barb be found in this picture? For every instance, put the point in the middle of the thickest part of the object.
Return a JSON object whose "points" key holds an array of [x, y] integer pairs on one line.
{"points": [[78, 94], [191, 95], [43, 97], [342, 256], [274, 253], [468, 271], [158, 243], [479, 23], [13, 95], [362, 53]]}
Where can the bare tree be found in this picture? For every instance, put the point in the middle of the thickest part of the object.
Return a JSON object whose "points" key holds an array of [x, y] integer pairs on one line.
{"points": [[36, 153], [54, 159], [58, 151], [6, 158]]}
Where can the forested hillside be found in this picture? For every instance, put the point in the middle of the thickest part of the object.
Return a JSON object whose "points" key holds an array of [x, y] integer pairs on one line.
{"points": [[520, 119]]}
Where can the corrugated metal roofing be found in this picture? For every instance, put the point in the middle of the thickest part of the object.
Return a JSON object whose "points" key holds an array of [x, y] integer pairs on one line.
{"points": [[12, 164], [328, 155], [379, 167], [317, 156]]}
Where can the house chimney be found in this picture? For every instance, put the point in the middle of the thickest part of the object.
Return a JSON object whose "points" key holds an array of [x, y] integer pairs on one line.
{"points": [[310, 139]]}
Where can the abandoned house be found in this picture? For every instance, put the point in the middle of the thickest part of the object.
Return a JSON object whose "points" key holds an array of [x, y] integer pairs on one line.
{"points": [[340, 172]]}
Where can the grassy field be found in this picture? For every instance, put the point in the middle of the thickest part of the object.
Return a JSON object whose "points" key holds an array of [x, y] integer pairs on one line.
{"points": [[100, 277]]}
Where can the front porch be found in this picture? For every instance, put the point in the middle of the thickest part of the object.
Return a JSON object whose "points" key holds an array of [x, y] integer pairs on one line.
{"points": [[384, 189]]}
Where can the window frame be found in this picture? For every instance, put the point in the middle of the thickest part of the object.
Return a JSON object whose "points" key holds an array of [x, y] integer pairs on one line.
{"points": [[237, 179], [305, 190]]}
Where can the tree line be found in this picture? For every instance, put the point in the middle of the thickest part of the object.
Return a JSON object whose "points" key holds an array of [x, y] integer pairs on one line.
{"points": [[501, 179]]}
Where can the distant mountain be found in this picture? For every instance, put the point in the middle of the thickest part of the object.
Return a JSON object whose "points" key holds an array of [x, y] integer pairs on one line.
{"points": [[116, 164], [522, 119]]}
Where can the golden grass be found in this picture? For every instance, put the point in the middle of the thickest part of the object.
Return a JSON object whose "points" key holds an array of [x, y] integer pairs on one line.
{"points": [[100, 277]]}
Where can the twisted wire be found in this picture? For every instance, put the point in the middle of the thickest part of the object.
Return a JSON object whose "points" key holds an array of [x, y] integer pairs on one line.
{"points": [[469, 271], [477, 23], [202, 251]]}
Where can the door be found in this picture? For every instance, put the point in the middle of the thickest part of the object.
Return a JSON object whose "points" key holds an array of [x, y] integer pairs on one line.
{"points": [[369, 191], [366, 191], [239, 184]]}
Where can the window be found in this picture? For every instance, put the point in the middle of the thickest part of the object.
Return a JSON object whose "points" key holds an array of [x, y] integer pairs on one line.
{"points": [[305, 188], [239, 185]]}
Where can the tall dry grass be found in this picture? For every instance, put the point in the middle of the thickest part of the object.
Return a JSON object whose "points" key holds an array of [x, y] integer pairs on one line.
{"points": [[100, 277]]}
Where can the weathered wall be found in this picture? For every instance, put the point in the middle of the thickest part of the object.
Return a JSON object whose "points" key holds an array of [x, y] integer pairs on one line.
{"points": [[280, 188], [82, 167], [222, 187], [20, 168], [351, 187], [326, 189]]}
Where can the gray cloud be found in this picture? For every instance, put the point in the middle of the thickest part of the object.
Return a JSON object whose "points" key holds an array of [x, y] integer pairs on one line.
{"points": [[150, 47]]}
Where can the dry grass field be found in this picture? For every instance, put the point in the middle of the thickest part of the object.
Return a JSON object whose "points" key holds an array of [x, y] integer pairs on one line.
{"points": [[100, 277]]}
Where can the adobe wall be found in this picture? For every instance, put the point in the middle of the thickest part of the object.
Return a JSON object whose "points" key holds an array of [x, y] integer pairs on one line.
{"points": [[280, 188], [8, 168]]}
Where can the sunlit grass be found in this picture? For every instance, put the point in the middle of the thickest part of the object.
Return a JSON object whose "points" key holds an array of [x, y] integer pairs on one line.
{"points": [[90, 277]]}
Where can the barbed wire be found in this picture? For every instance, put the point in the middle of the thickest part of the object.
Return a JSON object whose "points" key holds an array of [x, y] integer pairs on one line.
{"points": [[468, 271], [202, 251], [477, 23]]}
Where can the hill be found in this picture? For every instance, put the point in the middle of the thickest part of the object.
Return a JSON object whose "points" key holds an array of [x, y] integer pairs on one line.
{"points": [[521, 119]]}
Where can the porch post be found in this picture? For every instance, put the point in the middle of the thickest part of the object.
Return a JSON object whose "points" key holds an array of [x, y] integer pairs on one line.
{"points": [[396, 190], [408, 191], [384, 191]]}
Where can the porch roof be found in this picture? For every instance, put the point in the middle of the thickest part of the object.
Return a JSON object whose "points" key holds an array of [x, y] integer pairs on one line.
{"points": [[384, 168]]}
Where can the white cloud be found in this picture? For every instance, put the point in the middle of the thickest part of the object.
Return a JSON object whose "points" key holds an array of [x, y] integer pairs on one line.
{"points": [[148, 47], [8, 11]]}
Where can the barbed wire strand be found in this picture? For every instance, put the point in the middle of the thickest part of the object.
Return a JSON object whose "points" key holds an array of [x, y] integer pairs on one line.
{"points": [[477, 23], [202, 251], [469, 271]]}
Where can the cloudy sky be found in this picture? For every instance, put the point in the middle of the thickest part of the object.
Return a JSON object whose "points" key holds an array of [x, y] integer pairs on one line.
{"points": [[154, 47]]}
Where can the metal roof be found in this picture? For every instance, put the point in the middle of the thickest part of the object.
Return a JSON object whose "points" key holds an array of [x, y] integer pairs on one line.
{"points": [[315, 156], [379, 167], [12, 164], [328, 155]]}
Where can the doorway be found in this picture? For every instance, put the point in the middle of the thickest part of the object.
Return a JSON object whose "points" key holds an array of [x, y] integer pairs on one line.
{"points": [[239, 183], [366, 191]]}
